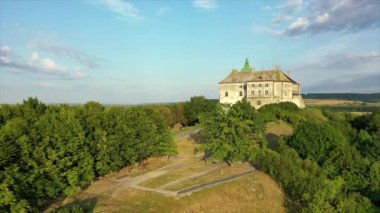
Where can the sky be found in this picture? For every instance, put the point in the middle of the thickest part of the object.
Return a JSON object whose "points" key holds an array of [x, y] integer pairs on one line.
{"points": [[150, 51]]}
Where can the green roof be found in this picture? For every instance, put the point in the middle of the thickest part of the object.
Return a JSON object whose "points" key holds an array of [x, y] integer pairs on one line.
{"points": [[247, 67]]}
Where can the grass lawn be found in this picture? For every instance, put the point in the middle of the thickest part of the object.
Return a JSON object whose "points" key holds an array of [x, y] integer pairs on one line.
{"points": [[218, 174], [191, 168], [254, 193]]}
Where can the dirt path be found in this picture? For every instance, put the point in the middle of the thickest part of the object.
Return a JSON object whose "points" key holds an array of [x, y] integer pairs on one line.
{"points": [[190, 177], [212, 183], [133, 181], [187, 133]]}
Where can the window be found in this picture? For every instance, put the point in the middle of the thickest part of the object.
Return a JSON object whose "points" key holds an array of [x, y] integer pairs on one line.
{"points": [[266, 85], [241, 93], [226, 94], [259, 92], [253, 85], [258, 102], [259, 85], [240, 86], [266, 92], [285, 93], [253, 92]]}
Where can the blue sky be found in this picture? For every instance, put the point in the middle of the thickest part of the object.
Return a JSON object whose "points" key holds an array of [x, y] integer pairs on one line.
{"points": [[130, 52]]}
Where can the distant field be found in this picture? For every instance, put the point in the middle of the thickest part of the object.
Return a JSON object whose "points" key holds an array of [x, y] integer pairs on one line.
{"points": [[343, 105], [344, 96], [329, 102]]}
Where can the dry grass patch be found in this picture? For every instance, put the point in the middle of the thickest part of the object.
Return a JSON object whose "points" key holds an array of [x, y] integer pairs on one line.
{"points": [[153, 164], [186, 148], [191, 168], [254, 193], [329, 102], [223, 172]]}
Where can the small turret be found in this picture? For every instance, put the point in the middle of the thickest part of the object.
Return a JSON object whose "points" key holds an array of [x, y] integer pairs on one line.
{"points": [[247, 67]]}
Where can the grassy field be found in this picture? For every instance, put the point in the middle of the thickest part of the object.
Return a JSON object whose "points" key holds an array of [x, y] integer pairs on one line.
{"points": [[253, 193], [330, 102], [355, 107], [222, 172], [191, 168]]}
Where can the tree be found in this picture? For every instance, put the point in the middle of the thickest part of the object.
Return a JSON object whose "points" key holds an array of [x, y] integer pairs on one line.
{"points": [[230, 135], [178, 113], [196, 107], [316, 141]]}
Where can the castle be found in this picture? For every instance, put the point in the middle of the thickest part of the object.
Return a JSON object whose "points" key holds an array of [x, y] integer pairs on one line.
{"points": [[259, 87]]}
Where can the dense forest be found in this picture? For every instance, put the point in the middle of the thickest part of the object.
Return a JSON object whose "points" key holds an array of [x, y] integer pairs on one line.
{"points": [[48, 151], [344, 96], [331, 162]]}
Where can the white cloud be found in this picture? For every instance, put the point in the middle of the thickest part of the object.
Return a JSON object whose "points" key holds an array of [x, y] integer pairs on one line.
{"points": [[50, 66], [293, 6], [5, 49], [301, 24], [34, 56], [288, 9], [46, 67], [205, 4], [79, 73], [125, 10], [5, 60], [331, 16], [345, 71], [281, 18], [162, 11], [63, 50], [323, 18]]}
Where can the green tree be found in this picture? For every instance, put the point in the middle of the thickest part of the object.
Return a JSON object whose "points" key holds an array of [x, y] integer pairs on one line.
{"points": [[196, 107], [316, 141], [229, 135]]}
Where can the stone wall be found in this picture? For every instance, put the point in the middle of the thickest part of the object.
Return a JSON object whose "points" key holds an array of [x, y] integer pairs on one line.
{"points": [[233, 90]]}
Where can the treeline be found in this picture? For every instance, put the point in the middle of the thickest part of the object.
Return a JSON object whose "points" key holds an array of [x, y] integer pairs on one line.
{"points": [[330, 163], [185, 114], [344, 96], [46, 151]]}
